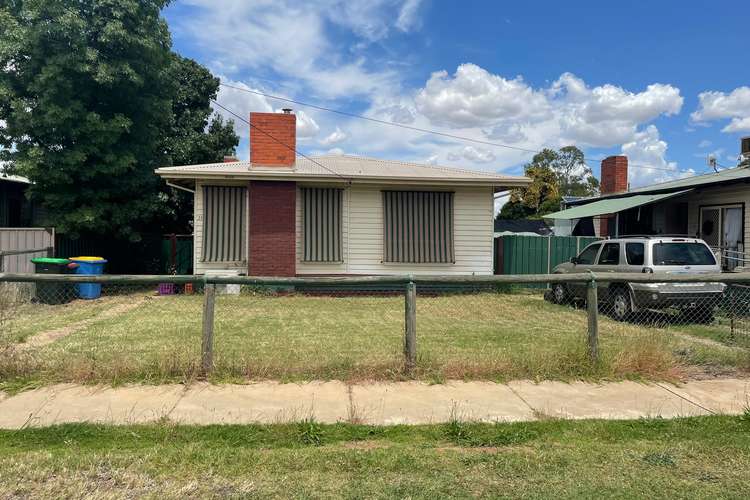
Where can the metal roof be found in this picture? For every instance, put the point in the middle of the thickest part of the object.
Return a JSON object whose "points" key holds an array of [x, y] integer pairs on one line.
{"points": [[611, 206], [730, 175], [342, 167], [14, 178]]}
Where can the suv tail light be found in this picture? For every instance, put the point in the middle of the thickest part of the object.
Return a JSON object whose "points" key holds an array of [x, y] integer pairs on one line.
{"points": [[647, 270]]}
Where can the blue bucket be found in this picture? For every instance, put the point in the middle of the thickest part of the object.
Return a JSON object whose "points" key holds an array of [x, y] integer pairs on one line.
{"points": [[89, 266]]}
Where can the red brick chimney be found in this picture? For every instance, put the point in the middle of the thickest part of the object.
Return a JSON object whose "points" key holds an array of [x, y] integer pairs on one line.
{"points": [[273, 139], [614, 180], [271, 226]]}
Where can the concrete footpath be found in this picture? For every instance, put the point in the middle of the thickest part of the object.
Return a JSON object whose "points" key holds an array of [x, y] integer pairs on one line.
{"points": [[376, 403]]}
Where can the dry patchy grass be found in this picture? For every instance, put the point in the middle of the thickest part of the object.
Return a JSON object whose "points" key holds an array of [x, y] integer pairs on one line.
{"points": [[291, 337]]}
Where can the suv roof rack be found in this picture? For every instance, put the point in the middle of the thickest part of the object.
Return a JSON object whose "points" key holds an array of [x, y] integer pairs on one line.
{"points": [[649, 236]]}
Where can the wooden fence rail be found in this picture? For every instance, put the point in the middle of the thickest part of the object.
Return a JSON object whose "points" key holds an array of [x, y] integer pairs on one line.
{"points": [[408, 283]]}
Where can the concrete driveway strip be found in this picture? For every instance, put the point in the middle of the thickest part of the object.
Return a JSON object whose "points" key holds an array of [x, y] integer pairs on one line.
{"points": [[420, 403], [263, 402], [615, 400], [73, 403]]}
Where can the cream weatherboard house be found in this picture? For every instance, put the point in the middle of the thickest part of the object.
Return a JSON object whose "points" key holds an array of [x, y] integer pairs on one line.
{"points": [[284, 215]]}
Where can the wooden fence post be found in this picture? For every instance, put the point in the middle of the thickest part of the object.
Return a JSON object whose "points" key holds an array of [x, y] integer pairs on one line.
{"points": [[592, 308], [410, 322], [207, 348]]}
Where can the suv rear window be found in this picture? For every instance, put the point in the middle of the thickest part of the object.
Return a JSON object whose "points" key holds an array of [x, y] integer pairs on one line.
{"points": [[634, 253], [683, 254]]}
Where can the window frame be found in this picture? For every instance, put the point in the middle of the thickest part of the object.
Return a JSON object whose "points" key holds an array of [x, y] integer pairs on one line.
{"points": [[601, 254], [643, 253], [596, 254], [304, 236], [448, 234]]}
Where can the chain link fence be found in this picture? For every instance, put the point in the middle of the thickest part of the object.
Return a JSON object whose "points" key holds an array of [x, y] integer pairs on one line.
{"points": [[177, 328]]}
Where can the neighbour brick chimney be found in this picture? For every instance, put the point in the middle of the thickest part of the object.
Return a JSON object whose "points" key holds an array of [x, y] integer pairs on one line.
{"points": [[273, 139], [230, 159], [614, 180]]}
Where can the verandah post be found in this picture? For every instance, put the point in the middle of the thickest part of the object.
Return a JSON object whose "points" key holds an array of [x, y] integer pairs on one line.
{"points": [[207, 347], [592, 308], [410, 322]]}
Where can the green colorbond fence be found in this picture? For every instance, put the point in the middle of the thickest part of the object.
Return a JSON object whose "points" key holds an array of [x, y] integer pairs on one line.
{"points": [[536, 254]]}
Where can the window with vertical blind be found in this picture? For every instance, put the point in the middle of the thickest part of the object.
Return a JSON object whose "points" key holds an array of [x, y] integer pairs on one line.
{"points": [[224, 224], [321, 224], [418, 227]]}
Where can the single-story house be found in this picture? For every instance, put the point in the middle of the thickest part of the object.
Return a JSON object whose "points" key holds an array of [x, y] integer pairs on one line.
{"points": [[280, 214], [710, 206]]}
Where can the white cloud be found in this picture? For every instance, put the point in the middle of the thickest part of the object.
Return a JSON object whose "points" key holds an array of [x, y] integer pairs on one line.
{"points": [[335, 151], [646, 156], [293, 39], [478, 155], [715, 105], [307, 127], [334, 137], [738, 125], [704, 143], [512, 110], [407, 17], [473, 97]]}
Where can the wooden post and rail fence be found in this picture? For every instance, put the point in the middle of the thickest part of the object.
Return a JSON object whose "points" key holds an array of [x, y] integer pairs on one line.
{"points": [[410, 284]]}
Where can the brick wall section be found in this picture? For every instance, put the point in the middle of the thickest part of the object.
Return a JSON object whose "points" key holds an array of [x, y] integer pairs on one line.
{"points": [[614, 180], [271, 228], [277, 150]]}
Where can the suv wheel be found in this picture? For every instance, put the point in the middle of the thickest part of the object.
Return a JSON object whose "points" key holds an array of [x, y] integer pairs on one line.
{"points": [[559, 293], [621, 307]]}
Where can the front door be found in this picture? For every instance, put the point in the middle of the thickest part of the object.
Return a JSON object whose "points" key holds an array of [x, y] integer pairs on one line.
{"points": [[721, 228]]}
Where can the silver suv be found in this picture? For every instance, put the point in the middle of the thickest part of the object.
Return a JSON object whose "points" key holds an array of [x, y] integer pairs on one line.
{"points": [[651, 254]]}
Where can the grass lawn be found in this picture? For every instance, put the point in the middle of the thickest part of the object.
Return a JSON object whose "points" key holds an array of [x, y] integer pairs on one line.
{"points": [[479, 336], [701, 457]]}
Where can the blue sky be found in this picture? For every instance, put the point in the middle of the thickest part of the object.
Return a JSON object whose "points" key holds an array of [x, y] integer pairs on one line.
{"points": [[665, 82]]}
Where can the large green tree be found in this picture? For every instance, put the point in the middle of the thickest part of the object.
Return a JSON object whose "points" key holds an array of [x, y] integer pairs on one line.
{"points": [[553, 174], [92, 100], [195, 135]]}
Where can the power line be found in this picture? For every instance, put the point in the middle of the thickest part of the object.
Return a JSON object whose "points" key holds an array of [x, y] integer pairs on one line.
{"points": [[255, 127], [419, 129]]}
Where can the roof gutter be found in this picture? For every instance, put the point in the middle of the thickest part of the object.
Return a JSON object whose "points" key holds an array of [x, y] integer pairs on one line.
{"points": [[172, 185]]}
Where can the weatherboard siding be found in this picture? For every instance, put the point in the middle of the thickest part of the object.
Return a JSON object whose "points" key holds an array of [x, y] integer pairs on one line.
{"points": [[363, 235], [723, 195]]}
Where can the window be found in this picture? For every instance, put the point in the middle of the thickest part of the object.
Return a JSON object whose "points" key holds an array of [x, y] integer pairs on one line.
{"points": [[418, 227], [683, 254], [610, 254], [589, 254], [321, 224], [223, 224], [634, 253]]}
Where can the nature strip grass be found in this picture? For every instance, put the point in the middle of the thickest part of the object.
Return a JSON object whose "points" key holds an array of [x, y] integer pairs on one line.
{"points": [[699, 457]]}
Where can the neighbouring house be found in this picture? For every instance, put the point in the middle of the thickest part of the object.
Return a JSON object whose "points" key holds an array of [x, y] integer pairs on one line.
{"points": [[15, 209], [710, 206], [280, 214], [522, 227]]}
